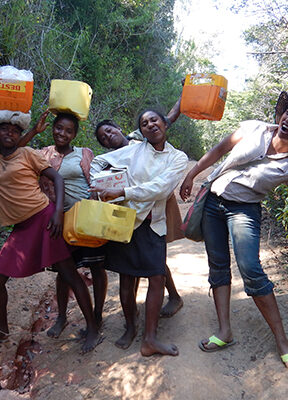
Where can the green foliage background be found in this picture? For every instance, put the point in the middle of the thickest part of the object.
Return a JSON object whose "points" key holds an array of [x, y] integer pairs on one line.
{"points": [[127, 51], [269, 41], [121, 48]]}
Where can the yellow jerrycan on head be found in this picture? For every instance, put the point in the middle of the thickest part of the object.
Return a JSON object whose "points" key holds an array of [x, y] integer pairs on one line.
{"points": [[91, 223], [204, 96], [72, 97]]}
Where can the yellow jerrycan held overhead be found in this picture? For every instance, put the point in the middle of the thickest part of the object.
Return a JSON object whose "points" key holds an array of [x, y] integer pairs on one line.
{"points": [[70, 97], [204, 96], [91, 223]]}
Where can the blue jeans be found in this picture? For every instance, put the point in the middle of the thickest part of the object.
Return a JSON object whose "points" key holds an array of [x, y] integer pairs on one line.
{"points": [[242, 222]]}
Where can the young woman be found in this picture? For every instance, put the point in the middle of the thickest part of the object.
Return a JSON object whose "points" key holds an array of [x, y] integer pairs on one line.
{"points": [[36, 241], [154, 169], [258, 162], [110, 135], [73, 164]]}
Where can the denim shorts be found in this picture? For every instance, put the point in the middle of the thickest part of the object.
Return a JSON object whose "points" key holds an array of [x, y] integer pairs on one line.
{"points": [[241, 222]]}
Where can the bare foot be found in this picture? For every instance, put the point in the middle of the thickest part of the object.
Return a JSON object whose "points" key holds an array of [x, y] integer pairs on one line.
{"points": [[92, 339], [148, 348], [56, 330], [83, 331], [171, 308], [127, 339]]}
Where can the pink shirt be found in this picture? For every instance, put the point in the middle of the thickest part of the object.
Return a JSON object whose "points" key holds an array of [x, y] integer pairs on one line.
{"points": [[55, 158]]}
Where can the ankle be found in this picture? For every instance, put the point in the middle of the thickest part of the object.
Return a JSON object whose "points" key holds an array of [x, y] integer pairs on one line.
{"points": [[61, 318], [174, 297]]}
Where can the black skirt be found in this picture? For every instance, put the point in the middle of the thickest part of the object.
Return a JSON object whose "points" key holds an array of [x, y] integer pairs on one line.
{"points": [[86, 257], [89, 256], [144, 256]]}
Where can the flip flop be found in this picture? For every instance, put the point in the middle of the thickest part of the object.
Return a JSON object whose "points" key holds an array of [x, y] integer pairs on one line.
{"points": [[220, 344], [284, 358]]}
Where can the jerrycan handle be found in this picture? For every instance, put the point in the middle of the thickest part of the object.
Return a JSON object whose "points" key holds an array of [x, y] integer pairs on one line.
{"points": [[98, 196], [119, 213]]}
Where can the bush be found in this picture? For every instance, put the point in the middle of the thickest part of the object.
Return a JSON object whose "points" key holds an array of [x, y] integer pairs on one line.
{"points": [[276, 204]]}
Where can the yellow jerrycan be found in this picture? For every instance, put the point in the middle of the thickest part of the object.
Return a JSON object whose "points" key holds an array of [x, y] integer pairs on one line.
{"points": [[204, 96], [93, 222], [72, 97], [71, 234]]}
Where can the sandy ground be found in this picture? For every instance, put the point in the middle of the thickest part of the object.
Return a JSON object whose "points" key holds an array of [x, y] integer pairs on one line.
{"points": [[56, 370]]}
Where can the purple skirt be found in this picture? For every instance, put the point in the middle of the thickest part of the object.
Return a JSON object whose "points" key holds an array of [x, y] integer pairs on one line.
{"points": [[29, 248]]}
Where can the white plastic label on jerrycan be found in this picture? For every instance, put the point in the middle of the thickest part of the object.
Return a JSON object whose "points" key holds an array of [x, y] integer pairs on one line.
{"points": [[70, 97]]}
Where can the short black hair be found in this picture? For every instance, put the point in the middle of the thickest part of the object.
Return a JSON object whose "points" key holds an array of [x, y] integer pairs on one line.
{"points": [[164, 119], [70, 117]]}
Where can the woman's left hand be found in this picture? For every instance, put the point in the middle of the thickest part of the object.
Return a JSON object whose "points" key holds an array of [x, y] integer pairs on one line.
{"points": [[108, 194], [55, 225], [186, 188]]}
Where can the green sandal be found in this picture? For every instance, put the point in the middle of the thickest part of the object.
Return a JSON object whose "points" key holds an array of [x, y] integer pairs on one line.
{"points": [[284, 358], [219, 343]]}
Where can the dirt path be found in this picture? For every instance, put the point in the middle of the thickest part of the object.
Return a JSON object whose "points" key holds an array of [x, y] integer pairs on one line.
{"points": [[249, 370]]}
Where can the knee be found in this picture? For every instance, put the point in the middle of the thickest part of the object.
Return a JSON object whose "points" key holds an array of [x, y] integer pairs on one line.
{"points": [[157, 282], [65, 267], [219, 275], [256, 282], [61, 282], [260, 286], [98, 273], [127, 286], [70, 277]]}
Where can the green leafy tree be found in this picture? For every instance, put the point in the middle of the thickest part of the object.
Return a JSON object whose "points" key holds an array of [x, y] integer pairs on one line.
{"points": [[124, 49]]}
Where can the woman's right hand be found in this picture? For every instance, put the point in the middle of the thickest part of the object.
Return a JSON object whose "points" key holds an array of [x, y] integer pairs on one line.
{"points": [[186, 187], [107, 194], [41, 124], [55, 224]]}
